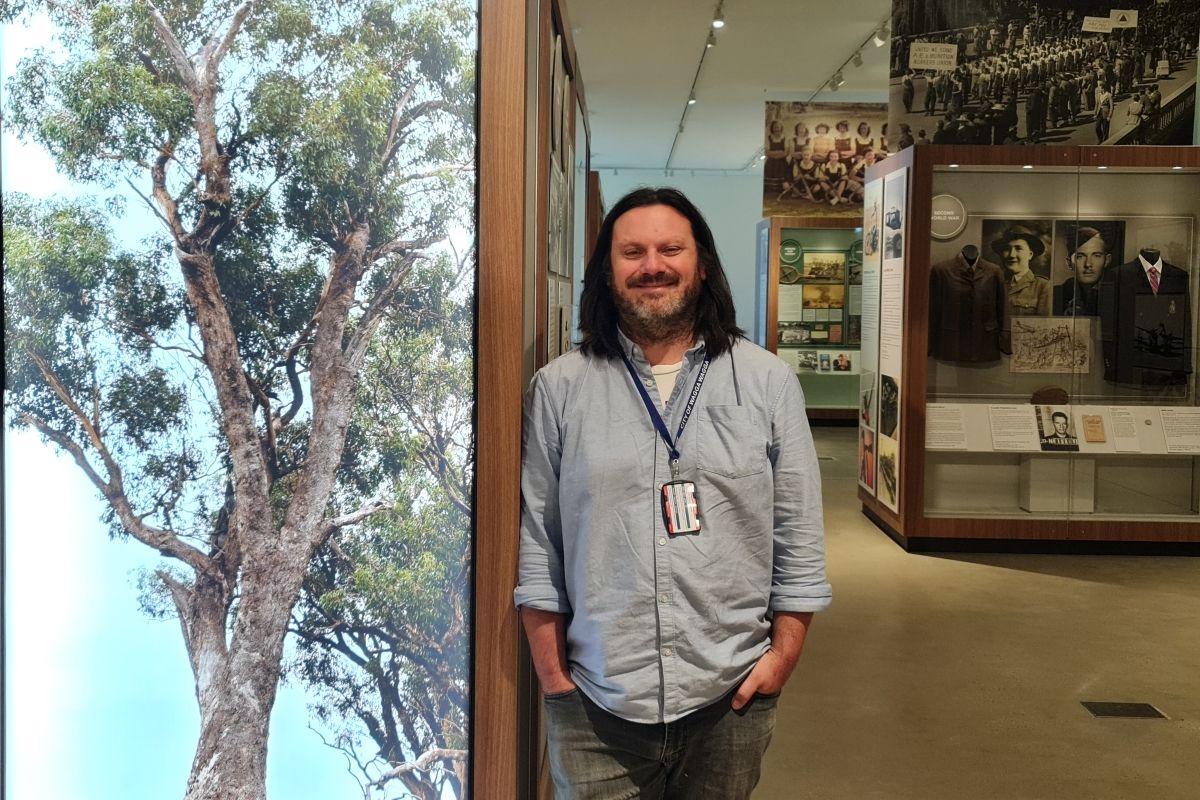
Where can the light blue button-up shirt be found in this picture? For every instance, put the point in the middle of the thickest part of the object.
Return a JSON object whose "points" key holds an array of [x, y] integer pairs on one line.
{"points": [[660, 626]]}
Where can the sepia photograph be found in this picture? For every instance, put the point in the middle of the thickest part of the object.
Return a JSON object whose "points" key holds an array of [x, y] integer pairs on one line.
{"points": [[816, 157], [824, 265], [1022, 248]]}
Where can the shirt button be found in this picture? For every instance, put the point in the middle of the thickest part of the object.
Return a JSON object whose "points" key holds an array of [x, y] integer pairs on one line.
{"points": [[662, 540], [668, 652], [664, 599]]}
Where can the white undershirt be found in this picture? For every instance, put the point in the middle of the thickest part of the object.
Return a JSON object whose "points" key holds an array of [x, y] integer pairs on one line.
{"points": [[665, 376]]}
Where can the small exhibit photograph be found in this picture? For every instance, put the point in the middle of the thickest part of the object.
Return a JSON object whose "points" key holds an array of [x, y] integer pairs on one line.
{"points": [[866, 458], [827, 265], [824, 296], [889, 405], [1056, 430]]}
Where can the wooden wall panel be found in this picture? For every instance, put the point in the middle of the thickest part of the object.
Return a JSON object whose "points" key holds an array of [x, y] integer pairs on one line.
{"points": [[496, 758]]}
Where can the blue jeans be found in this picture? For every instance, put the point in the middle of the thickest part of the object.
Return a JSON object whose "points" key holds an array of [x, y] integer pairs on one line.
{"points": [[714, 753]]}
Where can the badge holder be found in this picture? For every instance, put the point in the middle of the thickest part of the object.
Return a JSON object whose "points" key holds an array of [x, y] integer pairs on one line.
{"points": [[680, 513]]}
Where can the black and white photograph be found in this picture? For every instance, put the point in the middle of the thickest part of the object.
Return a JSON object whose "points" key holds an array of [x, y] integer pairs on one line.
{"points": [[1056, 431], [1082, 251], [817, 154], [794, 333], [1061, 72], [889, 405]]}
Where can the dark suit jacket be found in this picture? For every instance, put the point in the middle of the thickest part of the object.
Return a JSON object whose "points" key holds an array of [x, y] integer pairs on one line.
{"points": [[967, 310], [1146, 338], [1074, 298]]}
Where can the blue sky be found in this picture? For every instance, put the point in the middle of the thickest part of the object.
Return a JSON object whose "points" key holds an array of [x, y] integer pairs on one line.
{"points": [[99, 698]]}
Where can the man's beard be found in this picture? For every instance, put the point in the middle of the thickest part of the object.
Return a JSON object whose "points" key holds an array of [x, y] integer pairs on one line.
{"points": [[672, 320]]}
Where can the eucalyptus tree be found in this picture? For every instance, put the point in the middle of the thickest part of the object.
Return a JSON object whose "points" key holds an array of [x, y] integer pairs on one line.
{"points": [[302, 161]]}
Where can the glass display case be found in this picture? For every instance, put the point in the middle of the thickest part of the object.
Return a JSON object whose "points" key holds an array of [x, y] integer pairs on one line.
{"points": [[1050, 348], [810, 307]]}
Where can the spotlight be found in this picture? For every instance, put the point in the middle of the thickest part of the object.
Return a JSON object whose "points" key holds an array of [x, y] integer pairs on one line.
{"points": [[719, 20], [692, 99], [857, 60], [836, 81], [712, 39], [879, 38]]}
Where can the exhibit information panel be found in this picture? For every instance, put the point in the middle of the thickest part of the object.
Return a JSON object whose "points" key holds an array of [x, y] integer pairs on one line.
{"points": [[891, 338], [868, 391], [1061, 371]]}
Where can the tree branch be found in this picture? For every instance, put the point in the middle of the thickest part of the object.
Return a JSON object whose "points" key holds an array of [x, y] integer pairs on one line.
{"points": [[165, 542], [422, 763], [354, 517], [158, 176], [357, 347], [183, 64], [217, 54], [391, 143], [150, 204]]}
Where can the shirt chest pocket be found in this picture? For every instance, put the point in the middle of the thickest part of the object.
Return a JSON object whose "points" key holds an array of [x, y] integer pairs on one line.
{"points": [[728, 442]]}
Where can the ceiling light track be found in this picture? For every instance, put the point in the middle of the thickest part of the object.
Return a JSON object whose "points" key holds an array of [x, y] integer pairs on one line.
{"points": [[709, 42], [878, 38]]}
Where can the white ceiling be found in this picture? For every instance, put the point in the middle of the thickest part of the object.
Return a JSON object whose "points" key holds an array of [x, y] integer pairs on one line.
{"points": [[637, 59]]}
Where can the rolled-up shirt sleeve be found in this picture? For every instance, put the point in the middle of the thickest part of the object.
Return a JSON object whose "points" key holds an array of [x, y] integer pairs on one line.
{"points": [[798, 581], [540, 581]]}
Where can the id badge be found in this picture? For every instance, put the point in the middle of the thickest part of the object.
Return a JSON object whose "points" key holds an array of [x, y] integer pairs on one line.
{"points": [[680, 512]]}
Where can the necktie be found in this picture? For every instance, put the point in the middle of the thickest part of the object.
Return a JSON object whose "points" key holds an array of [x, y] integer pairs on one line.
{"points": [[1152, 274]]}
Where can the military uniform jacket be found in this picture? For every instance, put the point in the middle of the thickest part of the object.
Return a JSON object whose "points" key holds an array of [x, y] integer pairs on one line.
{"points": [[1146, 338], [967, 311]]}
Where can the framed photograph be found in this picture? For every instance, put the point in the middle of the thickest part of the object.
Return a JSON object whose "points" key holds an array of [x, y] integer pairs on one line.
{"points": [[825, 265]]}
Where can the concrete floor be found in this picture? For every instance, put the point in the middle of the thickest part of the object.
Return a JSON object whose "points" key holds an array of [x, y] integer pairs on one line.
{"points": [[960, 677]]}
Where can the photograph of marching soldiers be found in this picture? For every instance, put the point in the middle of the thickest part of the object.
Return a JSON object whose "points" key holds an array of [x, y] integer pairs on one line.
{"points": [[817, 157], [1044, 71]]}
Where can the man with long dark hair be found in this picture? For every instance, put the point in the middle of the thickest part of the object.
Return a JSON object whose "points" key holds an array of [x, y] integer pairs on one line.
{"points": [[672, 547]]}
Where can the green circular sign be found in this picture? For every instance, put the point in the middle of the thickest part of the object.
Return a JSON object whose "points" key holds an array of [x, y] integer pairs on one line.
{"points": [[790, 251], [856, 251]]}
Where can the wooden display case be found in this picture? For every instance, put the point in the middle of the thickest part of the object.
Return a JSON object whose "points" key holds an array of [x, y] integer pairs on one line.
{"points": [[1111, 501]]}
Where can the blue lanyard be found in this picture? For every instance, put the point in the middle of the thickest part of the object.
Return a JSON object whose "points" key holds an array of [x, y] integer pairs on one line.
{"points": [[657, 419]]}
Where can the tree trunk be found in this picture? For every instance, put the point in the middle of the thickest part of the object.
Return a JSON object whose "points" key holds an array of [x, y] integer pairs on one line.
{"points": [[236, 685]]}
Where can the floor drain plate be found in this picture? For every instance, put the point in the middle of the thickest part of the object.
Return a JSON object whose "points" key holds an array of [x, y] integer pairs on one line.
{"points": [[1125, 710]]}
